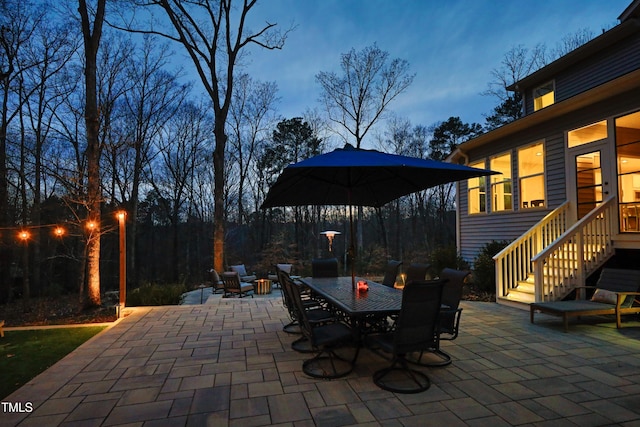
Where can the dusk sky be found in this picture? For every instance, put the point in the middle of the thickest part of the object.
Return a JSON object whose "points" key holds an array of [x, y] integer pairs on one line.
{"points": [[451, 46]]}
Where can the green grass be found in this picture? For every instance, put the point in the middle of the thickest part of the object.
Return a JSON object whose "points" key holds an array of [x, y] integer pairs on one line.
{"points": [[25, 354]]}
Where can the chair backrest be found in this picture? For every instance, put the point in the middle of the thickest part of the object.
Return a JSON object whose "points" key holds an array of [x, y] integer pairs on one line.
{"points": [[285, 267], [619, 280], [300, 313], [391, 272], [417, 324], [231, 280], [216, 280], [240, 269], [452, 292], [324, 267], [285, 283], [416, 271]]}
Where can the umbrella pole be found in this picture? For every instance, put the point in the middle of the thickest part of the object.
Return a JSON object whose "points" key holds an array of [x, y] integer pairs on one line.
{"points": [[352, 251]]}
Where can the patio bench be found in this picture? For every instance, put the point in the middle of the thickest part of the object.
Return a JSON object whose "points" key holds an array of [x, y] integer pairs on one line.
{"points": [[615, 293]]}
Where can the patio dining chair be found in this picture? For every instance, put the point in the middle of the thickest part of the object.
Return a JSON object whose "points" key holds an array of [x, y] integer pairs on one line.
{"points": [[333, 343], [449, 322], [416, 330], [324, 267], [314, 311], [416, 271], [287, 268], [234, 287], [391, 273]]}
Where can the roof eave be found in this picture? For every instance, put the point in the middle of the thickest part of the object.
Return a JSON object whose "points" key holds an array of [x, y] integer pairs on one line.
{"points": [[607, 90], [601, 42]]}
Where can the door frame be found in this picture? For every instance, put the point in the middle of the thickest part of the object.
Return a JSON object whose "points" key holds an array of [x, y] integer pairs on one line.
{"points": [[607, 165]]}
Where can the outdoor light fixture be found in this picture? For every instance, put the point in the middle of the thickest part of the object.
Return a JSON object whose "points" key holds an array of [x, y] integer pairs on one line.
{"points": [[330, 235], [122, 216]]}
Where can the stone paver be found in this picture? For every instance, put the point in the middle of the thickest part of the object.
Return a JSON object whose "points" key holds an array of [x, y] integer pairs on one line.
{"points": [[228, 363]]}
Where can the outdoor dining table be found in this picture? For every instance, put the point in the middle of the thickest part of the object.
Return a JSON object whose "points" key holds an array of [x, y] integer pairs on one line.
{"points": [[356, 306]]}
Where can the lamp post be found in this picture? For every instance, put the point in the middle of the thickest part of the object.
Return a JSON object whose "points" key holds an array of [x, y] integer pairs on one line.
{"points": [[122, 216], [330, 235], [24, 235]]}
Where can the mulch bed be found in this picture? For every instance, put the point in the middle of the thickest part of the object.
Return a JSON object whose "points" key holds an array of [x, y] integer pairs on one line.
{"points": [[63, 310]]}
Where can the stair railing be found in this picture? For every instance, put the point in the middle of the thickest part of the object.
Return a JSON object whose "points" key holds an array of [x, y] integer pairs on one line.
{"points": [[513, 263], [583, 248]]}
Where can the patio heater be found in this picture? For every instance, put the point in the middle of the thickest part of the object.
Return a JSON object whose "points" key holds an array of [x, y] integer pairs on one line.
{"points": [[330, 235]]}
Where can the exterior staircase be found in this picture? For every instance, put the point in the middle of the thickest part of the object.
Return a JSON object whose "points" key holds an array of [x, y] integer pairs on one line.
{"points": [[552, 258]]}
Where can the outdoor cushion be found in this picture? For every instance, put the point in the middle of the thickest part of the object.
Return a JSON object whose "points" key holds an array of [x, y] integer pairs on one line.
{"points": [[240, 269], [603, 295]]}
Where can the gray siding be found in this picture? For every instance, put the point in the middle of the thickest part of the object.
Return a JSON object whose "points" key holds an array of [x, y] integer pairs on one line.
{"points": [[614, 62], [477, 230]]}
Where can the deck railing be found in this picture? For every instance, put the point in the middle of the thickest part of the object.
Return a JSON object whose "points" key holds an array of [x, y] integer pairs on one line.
{"points": [[513, 264], [583, 248]]}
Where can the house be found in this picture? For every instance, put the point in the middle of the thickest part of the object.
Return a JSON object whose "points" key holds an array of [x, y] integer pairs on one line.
{"points": [[568, 190]]}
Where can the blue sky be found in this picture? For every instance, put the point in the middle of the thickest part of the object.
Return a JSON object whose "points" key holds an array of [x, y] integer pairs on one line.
{"points": [[452, 45]]}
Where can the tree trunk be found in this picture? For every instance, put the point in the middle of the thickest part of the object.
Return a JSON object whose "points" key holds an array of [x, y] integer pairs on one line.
{"points": [[218, 195]]}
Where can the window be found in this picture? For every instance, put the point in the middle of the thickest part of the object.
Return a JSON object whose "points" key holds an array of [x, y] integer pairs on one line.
{"points": [[477, 191], [501, 183], [531, 176], [543, 96], [586, 134], [628, 157]]}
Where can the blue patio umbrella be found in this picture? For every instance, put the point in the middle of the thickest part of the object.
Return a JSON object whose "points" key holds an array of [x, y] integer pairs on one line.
{"points": [[357, 177]]}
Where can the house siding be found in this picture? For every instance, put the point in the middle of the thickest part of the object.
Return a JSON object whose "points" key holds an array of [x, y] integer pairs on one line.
{"points": [[478, 229], [614, 62]]}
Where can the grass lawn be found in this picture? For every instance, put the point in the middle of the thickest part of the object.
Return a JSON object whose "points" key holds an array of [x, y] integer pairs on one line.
{"points": [[25, 354]]}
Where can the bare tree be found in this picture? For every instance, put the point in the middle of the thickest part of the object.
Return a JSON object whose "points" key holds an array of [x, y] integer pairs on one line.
{"points": [[356, 99], [180, 150], [250, 117], [215, 35]]}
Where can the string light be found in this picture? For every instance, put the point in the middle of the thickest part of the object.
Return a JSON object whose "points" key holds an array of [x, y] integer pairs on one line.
{"points": [[59, 231], [24, 235]]}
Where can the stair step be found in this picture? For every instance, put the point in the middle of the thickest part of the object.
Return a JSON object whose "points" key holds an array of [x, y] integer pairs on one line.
{"points": [[524, 297]]}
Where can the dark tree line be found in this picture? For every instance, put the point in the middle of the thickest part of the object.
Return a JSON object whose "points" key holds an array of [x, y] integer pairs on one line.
{"points": [[96, 117]]}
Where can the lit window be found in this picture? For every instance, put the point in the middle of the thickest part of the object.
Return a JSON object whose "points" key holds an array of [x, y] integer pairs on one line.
{"points": [[586, 134], [628, 148], [501, 183], [477, 191], [543, 96], [531, 176]]}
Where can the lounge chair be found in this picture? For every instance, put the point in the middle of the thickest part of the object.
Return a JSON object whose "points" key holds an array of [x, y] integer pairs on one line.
{"points": [[615, 293], [234, 287], [242, 272], [216, 282]]}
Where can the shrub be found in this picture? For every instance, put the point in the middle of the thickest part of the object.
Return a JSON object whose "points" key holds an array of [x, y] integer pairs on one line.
{"points": [[446, 257], [484, 271], [155, 294]]}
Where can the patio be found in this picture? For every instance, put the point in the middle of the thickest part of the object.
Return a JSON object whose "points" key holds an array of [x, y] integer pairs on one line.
{"points": [[227, 362]]}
